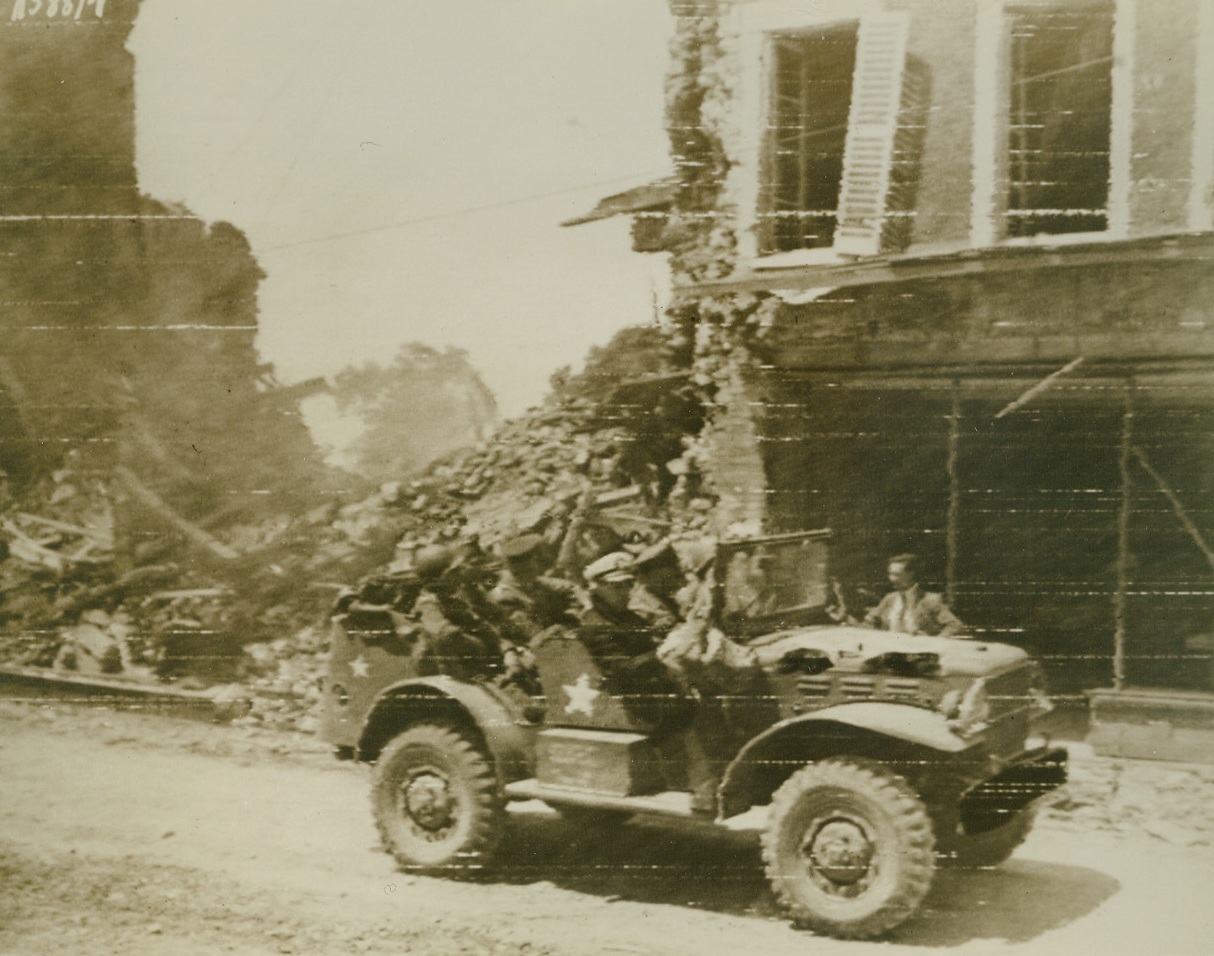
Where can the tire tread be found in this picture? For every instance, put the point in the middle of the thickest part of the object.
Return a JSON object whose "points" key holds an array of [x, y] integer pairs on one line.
{"points": [[489, 806], [909, 817]]}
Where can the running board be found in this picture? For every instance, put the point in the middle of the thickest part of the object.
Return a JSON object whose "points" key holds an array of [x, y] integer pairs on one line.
{"points": [[671, 803]]}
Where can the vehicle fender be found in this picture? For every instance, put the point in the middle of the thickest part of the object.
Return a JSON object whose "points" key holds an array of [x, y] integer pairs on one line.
{"points": [[864, 728], [509, 739], [915, 725]]}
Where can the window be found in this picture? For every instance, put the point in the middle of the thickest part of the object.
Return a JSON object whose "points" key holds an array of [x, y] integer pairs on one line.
{"points": [[810, 103], [846, 111], [1059, 121]]}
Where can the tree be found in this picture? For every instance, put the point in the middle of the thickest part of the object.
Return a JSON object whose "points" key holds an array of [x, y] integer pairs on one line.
{"points": [[423, 405]]}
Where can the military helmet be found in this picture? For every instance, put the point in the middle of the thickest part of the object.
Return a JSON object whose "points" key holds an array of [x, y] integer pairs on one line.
{"points": [[432, 560], [520, 548]]}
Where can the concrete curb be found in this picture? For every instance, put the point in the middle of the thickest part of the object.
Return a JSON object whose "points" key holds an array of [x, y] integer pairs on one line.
{"points": [[31, 684]]}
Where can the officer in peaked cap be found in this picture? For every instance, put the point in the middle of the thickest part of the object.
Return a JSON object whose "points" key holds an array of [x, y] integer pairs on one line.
{"points": [[623, 644], [659, 581], [615, 568]]}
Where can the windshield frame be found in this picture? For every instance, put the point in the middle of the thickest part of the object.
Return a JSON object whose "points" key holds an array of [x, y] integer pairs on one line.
{"points": [[741, 623]]}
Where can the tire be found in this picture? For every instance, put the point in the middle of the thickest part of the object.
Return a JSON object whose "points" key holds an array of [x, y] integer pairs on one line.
{"points": [[983, 850], [437, 803], [880, 836]]}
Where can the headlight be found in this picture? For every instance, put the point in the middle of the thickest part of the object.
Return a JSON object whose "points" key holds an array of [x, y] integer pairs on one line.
{"points": [[1039, 700], [967, 713]]}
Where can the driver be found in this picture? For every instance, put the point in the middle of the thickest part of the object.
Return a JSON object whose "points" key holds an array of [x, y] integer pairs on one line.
{"points": [[909, 609]]}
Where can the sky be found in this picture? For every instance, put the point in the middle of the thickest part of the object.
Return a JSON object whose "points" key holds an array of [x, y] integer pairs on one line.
{"points": [[401, 168]]}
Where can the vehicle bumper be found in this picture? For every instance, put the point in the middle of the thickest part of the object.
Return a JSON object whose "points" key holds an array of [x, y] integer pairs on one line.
{"points": [[1027, 778]]}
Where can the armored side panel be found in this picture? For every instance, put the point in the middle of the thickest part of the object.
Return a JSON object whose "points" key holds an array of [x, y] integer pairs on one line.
{"points": [[575, 688]]}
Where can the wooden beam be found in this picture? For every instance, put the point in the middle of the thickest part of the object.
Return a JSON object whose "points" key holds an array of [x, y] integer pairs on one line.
{"points": [[143, 434], [1177, 506], [82, 530], [165, 511], [1040, 387]]}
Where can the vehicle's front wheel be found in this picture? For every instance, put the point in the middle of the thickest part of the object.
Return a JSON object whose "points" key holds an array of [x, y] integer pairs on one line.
{"points": [[848, 848], [437, 803]]}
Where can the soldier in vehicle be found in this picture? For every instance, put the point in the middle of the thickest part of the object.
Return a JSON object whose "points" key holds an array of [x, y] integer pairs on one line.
{"points": [[532, 599], [624, 645], [452, 612], [706, 658], [909, 609], [660, 592]]}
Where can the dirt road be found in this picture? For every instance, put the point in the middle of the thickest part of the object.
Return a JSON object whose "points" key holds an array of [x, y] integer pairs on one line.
{"points": [[121, 833]]}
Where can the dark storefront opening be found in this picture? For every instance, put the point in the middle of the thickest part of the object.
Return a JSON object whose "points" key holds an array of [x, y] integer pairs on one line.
{"points": [[1022, 518]]}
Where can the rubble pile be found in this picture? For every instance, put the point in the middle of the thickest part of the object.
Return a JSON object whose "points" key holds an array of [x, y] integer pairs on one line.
{"points": [[240, 605], [530, 477], [152, 610]]}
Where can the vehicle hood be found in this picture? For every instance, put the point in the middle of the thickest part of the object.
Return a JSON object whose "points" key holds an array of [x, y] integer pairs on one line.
{"points": [[849, 647]]}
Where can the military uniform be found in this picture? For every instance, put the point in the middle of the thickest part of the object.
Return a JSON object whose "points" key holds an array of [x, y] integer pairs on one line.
{"points": [[537, 605], [624, 645], [660, 586]]}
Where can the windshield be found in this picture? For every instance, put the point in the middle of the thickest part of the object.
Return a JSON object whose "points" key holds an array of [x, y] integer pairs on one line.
{"points": [[766, 583]]}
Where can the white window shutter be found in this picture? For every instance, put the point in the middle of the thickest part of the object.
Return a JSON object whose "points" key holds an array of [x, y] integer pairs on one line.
{"points": [[873, 125]]}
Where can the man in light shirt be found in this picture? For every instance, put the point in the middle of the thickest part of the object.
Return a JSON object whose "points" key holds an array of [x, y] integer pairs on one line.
{"points": [[909, 609]]}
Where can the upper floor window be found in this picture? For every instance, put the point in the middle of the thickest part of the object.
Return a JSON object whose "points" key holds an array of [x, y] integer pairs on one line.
{"points": [[845, 114], [811, 93], [1059, 119]]}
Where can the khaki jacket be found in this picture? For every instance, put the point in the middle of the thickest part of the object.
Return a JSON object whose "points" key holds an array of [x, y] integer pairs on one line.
{"points": [[919, 612]]}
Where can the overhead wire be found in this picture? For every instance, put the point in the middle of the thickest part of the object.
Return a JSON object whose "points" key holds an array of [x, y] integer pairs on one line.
{"points": [[451, 214]]}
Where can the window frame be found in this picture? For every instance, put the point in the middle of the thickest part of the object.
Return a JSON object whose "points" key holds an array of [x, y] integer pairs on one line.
{"points": [[769, 181], [754, 24], [992, 98]]}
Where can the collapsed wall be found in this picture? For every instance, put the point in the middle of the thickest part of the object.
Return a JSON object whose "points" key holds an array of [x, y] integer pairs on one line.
{"points": [[144, 443]]}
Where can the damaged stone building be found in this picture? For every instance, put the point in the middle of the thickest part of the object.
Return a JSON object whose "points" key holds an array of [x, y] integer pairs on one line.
{"points": [[949, 266], [128, 325]]}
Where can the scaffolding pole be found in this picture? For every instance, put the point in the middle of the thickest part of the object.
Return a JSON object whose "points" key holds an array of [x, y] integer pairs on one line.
{"points": [[1123, 537], [954, 496]]}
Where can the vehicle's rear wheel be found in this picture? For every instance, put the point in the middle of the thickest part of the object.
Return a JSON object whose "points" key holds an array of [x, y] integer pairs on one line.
{"points": [[437, 803], [848, 848], [995, 841]]}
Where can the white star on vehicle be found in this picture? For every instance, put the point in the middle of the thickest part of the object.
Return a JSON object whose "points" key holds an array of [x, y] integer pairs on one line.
{"points": [[360, 667], [581, 696]]}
